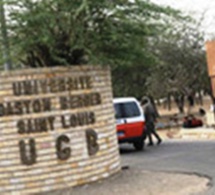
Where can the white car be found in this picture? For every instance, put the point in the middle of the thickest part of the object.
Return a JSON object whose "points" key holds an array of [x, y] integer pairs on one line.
{"points": [[130, 121]]}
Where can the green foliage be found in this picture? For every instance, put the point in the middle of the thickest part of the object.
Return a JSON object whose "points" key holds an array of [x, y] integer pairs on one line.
{"points": [[182, 65], [56, 32], [144, 43]]}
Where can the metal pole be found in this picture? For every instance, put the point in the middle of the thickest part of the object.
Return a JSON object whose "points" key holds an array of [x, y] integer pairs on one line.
{"points": [[5, 41]]}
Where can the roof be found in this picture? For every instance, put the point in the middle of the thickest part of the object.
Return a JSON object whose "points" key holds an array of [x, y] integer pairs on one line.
{"points": [[124, 99]]}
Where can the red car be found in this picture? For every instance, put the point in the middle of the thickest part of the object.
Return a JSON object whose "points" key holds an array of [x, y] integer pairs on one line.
{"points": [[130, 121]]}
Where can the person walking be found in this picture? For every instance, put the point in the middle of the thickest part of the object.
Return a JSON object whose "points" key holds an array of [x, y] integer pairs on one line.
{"points": [[150, 120]]}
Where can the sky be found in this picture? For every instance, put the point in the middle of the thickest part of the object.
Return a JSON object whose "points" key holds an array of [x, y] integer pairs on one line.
{"points": [[196, 8]]}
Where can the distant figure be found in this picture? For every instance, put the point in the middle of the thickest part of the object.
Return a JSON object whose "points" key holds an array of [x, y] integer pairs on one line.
{"points": [[173, 121], [190, 99], [202, 111], [212, 108], [150, 119]]}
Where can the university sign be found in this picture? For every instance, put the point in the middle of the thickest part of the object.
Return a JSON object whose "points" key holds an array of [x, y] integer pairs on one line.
{"points": [[57, 128]]}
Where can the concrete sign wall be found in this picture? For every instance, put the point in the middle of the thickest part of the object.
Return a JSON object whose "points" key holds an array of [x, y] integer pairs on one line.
{"points": [[57, 129]]}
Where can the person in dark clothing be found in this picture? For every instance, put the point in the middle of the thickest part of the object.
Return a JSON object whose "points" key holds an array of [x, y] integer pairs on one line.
{"points": [[150, 120]]}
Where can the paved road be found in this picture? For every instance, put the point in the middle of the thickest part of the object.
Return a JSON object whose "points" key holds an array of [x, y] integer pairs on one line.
{"points": [[173, 168], [175, 156]]}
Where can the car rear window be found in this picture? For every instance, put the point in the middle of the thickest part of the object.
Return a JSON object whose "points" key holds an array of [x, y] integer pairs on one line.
{"points": [[126, 110]]}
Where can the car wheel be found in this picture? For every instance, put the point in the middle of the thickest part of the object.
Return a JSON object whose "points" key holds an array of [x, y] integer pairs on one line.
{"points": [[139, 144]]}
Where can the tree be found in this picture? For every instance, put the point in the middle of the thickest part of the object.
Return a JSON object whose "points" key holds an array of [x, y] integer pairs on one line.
{"points": [[80, 31], [115, 33], [130, 36], [182, 68], [4, 40]]}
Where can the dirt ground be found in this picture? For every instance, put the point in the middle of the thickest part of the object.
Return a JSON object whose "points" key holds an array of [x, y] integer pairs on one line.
{"points": [[170, 129], [137, 181], [166, 115]]}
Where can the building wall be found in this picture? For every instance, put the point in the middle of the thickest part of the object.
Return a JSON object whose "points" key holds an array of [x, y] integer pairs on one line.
{"points": [[57, 129], [210, 50]]}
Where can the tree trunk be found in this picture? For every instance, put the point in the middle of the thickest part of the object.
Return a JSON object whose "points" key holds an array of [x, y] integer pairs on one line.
{"points": [[169, 102], [200, 98], [5, 41], [179, 100]]}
